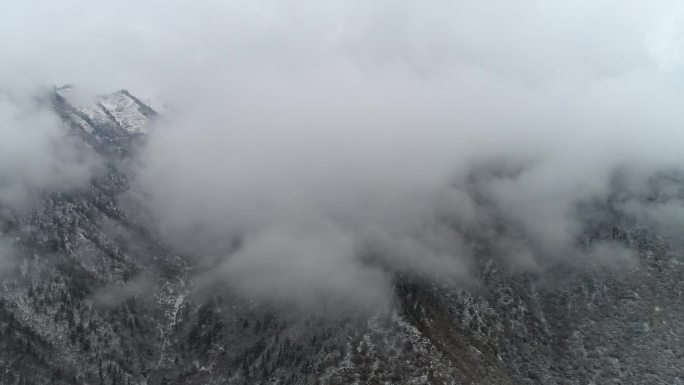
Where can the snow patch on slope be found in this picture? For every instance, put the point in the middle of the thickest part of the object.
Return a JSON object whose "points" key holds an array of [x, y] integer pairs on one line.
{"points": [[119, 109], [125, 111]]}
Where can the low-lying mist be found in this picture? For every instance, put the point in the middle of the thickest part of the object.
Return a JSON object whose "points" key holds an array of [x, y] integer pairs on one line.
{"points": [[319, 187], [37, 153], [311, 151]]}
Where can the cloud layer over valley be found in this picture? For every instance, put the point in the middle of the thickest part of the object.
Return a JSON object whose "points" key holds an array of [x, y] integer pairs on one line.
{"points": [[312, 149]]}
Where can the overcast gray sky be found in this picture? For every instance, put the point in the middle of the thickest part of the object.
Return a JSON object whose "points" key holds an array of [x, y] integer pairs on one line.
{"points": [[322, 134]]}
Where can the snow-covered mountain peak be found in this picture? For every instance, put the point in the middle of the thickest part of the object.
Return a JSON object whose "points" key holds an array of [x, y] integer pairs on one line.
{"points": [[119, 110]]}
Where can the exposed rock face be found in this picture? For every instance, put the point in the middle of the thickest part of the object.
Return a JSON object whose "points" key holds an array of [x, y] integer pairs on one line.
{"points": [[92, 297]]}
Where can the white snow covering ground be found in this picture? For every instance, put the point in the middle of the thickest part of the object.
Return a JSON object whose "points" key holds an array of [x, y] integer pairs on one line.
{"points": [[125, 111], [118, 107]]}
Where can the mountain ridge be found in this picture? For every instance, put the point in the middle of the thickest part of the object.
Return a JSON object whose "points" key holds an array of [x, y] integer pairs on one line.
{"points": [[92, 296]]}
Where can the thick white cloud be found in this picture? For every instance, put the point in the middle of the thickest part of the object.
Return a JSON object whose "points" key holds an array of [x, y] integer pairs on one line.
{"points": [[312, 146], [36, 152]]}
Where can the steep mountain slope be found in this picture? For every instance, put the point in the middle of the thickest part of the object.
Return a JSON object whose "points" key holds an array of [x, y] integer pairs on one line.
{"points": [[92, 296]]}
